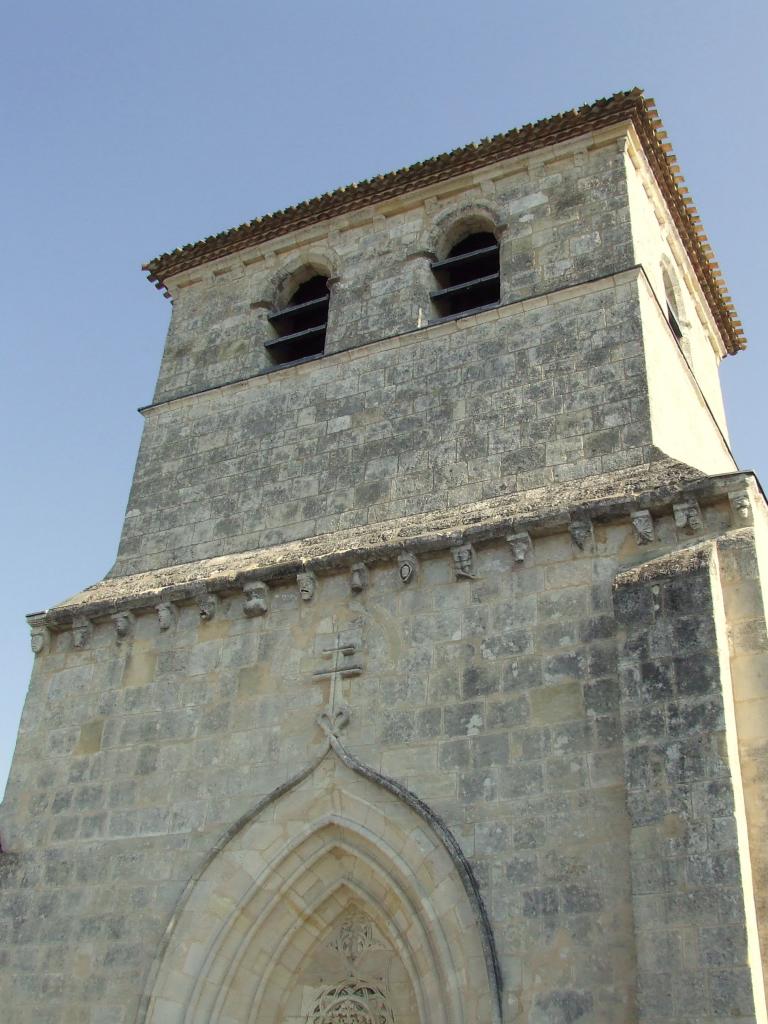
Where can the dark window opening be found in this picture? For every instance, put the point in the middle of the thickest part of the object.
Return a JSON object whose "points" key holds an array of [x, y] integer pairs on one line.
{"points": [[468, 277], [301, 325], [673, 323], [670, 294]]}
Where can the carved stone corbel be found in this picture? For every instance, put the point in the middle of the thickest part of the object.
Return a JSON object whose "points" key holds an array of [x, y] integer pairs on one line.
{"points": [[124, 622], [256, 599], [82, 632], [207, 606], [39, 634], [358, 579], [463, 562], [688, 516], [166, 615], [307, 584], [520, 545], [407, 566], [642, 523], [741, 508], [581, 533]]}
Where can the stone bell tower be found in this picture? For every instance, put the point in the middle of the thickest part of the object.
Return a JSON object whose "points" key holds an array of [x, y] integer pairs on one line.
{"points": [[429, 684]]}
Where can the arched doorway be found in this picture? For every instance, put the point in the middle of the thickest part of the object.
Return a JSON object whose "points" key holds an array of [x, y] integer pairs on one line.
{"points": [[335, 903]]}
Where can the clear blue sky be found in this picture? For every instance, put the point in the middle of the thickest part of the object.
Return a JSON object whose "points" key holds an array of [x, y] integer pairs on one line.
{"points": [[129, 129]]}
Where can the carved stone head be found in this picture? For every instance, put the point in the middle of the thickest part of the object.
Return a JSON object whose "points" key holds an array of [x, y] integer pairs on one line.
{"points": [[463, 560], [520, 544], [688, 516], [358, 579], [642, 523], [123, 624], [256, 599], [741, 507], [38, 637], [207, 604], [581, 532], [166, 614], [407, 566], [82, 630], [307, 584]]}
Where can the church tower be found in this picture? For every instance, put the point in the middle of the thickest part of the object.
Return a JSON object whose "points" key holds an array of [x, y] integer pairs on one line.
{"points": [[430, 682]]}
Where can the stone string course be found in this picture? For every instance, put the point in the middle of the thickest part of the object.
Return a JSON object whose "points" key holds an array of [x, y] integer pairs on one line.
{"points": [[344, 443], [497, 700], [512, 518]]}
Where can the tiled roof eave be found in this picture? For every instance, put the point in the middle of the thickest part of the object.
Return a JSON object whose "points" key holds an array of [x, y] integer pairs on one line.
{"points": [[629, 106], [649, 128]]}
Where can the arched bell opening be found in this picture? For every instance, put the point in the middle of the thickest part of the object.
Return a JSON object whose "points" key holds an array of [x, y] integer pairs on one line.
{"points": [[468, 278], [301, 324]]}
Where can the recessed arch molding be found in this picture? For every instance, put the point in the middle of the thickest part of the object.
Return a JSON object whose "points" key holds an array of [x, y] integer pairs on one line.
{"points": [[317, 847]]}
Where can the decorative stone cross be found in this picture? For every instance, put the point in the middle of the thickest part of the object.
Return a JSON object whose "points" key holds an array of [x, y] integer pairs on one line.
{"points": [[335, 716]]}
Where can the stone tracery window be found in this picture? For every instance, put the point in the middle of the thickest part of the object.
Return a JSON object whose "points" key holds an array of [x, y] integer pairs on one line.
{"points": [[351, 1002]]}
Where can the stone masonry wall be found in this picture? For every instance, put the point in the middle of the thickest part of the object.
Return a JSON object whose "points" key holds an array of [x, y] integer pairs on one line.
{"points": [[561, 215], [564, 708], [658, 249], [496, 700], [509, 399], [742, 568], [693, 905]]}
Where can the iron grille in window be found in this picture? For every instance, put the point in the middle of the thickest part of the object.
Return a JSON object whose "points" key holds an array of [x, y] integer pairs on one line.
{"points": [[301, 325], [468, 277]]}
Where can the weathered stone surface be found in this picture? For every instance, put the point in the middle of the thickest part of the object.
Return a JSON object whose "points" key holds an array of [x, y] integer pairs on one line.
{"points": [[683, 780], [604, 498], [518, 724], [430, 678]]}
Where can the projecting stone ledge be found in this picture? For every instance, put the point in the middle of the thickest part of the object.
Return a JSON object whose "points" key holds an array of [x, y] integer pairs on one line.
{"points": [[537, 511], [669, 566]]}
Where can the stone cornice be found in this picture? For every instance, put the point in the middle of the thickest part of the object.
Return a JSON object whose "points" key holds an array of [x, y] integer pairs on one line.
{"points": [[537, 512]]}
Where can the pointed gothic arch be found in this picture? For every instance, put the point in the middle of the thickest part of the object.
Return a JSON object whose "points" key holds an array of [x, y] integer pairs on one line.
{"points": [[252, 942]]}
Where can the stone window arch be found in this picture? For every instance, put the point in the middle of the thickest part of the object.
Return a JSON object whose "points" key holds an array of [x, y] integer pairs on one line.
{"points": [[300, 323], [467, 272]]}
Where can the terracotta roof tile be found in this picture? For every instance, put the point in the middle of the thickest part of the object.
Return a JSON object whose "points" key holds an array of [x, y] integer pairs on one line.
{"points": [[624, 106]]}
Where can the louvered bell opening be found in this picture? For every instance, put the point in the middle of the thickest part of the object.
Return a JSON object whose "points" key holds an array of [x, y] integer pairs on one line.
{"points": [[469, 276], [302, 324]]}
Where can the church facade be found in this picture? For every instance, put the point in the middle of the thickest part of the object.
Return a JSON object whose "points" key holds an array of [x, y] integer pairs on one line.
{"points": [[430, 685]]}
